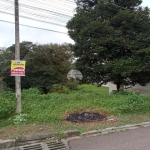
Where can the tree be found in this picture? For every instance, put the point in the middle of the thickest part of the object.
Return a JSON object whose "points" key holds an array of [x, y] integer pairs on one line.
{"points": [[45, 65], [48, 65], [112, 41], [5, 58]]}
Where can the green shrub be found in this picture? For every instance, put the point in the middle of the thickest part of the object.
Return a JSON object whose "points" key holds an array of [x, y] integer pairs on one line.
{"points": [[31, 91], [7, 105], [72, 84], [135, 103], [125, 92], [20, 119], [59, 89]]}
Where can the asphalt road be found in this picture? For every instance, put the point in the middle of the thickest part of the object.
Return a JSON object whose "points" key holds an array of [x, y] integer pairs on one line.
{"points": [[137, 139]]}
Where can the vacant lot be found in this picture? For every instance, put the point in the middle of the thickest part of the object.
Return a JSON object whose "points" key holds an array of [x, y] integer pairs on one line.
{"points": [[46, 113]]}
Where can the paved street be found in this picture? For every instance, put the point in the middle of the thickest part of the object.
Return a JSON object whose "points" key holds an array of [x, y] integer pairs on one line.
{"points": [[137, 139]]}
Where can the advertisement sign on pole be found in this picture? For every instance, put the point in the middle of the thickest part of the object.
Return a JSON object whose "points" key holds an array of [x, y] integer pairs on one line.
{"points": [[17, 68]]}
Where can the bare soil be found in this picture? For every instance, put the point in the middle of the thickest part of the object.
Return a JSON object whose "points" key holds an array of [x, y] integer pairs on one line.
{"points": [[13, 132]]}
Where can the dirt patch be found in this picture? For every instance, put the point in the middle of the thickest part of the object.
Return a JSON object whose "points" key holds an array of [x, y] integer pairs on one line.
{"points": [[13, 132], [85, 117]]}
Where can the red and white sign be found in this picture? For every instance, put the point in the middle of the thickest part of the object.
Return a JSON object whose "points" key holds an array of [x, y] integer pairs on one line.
{"points": [[17, 68]]}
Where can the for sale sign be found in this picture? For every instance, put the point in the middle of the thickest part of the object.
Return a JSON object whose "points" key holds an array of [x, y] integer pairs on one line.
{"points": [[17, 68]]}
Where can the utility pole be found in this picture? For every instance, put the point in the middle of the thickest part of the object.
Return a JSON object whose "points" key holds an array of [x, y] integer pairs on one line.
{"points": [[17, 57]]}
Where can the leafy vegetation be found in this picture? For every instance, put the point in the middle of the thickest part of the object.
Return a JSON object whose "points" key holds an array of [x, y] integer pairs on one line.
{"points": [[7, 105], [52, 108], [46, 65], [111, 42]]}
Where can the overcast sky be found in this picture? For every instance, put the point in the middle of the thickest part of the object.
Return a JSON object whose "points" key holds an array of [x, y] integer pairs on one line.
{"points": [[7, 31]]}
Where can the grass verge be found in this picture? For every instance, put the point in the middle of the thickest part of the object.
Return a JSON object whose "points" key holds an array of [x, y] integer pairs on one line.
{"points": [[48, 112]]}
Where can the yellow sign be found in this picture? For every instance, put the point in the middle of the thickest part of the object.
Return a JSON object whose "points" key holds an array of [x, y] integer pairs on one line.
{"points": [[17, 68]]}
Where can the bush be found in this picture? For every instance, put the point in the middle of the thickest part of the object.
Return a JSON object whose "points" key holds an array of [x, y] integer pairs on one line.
{"points": [[125, 92], [135, 103], [72, 84], [31, 91], [7, 104]]}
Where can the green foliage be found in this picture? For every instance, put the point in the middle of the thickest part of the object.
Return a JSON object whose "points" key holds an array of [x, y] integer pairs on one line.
{"points": [[46, 65], [135, 103], [111, 43], [59, 89], [52, 107], [7, 105], [72, 84], [20, 119], [31, 91]]}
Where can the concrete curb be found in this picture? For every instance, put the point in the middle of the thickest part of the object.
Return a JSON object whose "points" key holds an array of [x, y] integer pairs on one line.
{"points": [[69, 135], [34, 138], [7, 144], [116, 129], [110, 130], [23, 140]]}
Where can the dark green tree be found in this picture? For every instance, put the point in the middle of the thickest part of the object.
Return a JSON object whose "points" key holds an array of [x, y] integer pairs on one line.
{"points": [[5, 60], [112, 41], [45, 65], [48, 65]]}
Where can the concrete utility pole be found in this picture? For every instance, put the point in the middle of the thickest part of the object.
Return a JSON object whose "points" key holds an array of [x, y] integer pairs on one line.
{"points": [[17, 57]]}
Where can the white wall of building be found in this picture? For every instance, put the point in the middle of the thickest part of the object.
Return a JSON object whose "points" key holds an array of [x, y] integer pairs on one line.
{"points": [[112, 87]]}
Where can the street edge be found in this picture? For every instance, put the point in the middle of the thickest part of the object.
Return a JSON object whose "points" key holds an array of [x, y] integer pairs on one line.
{"points": [[68, 135]]}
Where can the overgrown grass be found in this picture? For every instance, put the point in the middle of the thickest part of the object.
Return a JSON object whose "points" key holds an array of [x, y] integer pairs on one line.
{"points": [[51, 108]]}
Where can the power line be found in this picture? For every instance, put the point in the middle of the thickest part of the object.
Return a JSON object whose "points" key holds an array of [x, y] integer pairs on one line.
{"points": [[56, 7], [60, 1], [61, 17], [56, 18], [46, 3], [34, 19], [35, 27], [36, 8], [53, 5], [34, 12]]}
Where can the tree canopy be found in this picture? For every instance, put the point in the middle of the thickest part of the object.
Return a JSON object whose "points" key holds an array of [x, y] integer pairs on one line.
{"points": [[112, 41], [45, 64]]}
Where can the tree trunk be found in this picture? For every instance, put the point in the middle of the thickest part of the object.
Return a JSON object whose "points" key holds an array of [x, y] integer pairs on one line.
{"points": [[118, 87]]}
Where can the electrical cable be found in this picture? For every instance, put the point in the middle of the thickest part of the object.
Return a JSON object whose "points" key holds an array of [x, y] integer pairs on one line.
{"points": [[61, 1], [64, 26], [52, 6], [38, 7], [32, 7], [56, 18], [35, 19], [60, 19], [35, 27]]}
